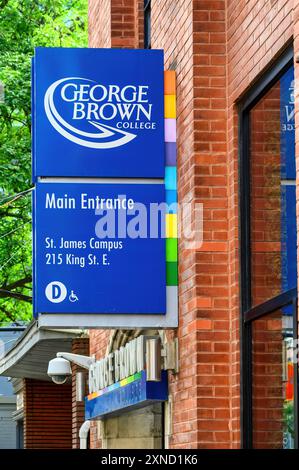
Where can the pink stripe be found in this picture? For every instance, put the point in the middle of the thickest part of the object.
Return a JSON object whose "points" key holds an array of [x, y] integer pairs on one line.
{"points": [[170, 130]]}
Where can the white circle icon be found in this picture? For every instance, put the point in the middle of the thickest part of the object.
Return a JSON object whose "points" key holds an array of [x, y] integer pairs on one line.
{"points": [[56, 292]]}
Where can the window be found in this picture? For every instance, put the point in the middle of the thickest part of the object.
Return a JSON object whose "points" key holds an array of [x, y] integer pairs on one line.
{"points": [[147, 24], [268, 264]]}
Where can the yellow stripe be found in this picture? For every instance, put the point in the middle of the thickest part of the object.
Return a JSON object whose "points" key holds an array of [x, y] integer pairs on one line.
{"points": [[171, 226], [170, 106]]}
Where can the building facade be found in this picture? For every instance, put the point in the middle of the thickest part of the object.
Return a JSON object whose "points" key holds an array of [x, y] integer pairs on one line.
{"points": [[235, 64], [9, 425], [234, 381], [42, 414], [8, 434]]}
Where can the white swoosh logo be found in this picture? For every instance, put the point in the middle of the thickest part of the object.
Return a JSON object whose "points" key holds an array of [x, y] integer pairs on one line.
{"points": [[76, 135]]}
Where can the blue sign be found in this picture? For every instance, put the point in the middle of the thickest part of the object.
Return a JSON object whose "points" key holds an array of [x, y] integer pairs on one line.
{"points": [[98, 113], [138, 393], [288, 238], [287, 118], [99, 248]]}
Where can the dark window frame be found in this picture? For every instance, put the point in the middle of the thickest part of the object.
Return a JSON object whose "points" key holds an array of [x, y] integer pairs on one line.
{"points": [[247, 314], [147, 24]]}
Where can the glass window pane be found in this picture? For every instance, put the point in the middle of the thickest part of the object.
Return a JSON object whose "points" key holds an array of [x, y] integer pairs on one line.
{"points": [[273, 381], [272, 192]]}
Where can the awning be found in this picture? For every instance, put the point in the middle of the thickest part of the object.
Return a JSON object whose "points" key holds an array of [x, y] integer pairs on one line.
{"points": [[30, 355]]}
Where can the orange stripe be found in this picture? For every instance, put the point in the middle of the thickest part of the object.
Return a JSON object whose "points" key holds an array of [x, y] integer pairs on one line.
{"points": [[169, 82]]}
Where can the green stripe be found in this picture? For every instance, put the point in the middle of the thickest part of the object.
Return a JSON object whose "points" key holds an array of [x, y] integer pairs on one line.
{"points": [[171, 249], [171, 273]]}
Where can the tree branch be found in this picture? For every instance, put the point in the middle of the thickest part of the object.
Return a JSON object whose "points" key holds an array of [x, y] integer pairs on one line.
{"points": [[14, 295], [8, 315], [7, 213], [3, 4], [19, 283]]}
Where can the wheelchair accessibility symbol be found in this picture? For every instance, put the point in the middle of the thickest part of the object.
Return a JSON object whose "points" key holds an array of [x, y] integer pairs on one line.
{"points": [[73, 297]]}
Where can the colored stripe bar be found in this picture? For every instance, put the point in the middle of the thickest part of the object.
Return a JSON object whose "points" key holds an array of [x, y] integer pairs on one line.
{"points": [[170, 130], [171, 273], [171, 249], [170, 153], [170, 178], [171, 230], [112, 387], [171, 198], [169, 82], [171, 219], [170, 106], [171, 201]]}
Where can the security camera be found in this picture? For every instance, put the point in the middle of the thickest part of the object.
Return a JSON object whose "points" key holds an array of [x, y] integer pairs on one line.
{"points": [[59, 370]]}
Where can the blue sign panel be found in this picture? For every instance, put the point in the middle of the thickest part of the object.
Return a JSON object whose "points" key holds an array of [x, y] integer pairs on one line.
{"points": [[138, 393], [288, 185], [98, 113], [287, 118], [99, 248]]}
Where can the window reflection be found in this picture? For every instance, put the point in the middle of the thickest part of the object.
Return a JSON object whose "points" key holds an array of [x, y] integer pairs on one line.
{"points": [[273, 382], [272, 192], [273, 238]]}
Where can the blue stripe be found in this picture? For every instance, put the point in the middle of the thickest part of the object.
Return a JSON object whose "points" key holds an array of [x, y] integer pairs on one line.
{"points": [[170, 178], [171, 201]]}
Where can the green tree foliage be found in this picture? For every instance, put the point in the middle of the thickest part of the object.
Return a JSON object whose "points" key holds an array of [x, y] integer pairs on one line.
{"points": [[24, 24]]}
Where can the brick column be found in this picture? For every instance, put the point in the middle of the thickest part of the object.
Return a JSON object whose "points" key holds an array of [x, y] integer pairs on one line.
{"points": [[139, 24], [193, 36], [47, 415], [99, 23], [116, 23]]}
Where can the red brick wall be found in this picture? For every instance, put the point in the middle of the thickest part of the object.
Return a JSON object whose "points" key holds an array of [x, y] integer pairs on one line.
{"points": [[257, 31], [116, 23], [268, 388], [139, 23], [99, 23], [193, 36], [172, 28], [47, 415], [123, 23], [215, 341]]}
